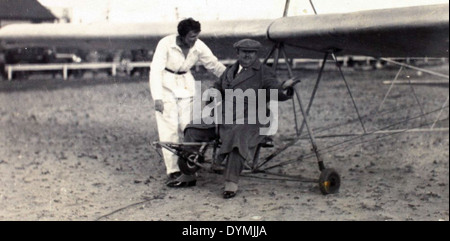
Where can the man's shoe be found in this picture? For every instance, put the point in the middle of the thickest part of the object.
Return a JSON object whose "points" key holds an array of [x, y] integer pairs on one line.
{"points": [[230, 190], [267, 142]]}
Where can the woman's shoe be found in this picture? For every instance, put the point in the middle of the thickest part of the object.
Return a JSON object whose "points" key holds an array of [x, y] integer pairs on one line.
{"points": [[228, 194], [183, 181], [174, 175], [179, 184]]}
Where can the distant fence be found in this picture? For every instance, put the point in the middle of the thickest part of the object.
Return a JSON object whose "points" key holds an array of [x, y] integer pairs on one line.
{"points": [[113, 66], [10, 69], [65, 67]]}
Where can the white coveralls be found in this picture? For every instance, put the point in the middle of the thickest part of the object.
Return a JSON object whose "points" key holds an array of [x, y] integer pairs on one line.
{"points": [[177, 90]]}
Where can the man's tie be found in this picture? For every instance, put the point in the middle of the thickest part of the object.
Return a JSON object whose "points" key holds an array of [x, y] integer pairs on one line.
{"points": [[239, 70]]}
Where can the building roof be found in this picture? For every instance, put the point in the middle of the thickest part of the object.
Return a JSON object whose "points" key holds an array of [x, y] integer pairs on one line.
{"points": [[30, 10]]}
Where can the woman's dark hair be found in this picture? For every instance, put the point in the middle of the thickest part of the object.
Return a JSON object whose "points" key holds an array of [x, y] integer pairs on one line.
{"points": [[187, 25]]}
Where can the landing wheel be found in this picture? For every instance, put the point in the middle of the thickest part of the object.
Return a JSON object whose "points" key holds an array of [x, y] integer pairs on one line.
{"points": [[187, 164], [329, 181]]}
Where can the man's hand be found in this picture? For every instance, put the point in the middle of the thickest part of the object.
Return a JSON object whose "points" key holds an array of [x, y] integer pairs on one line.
{"points": [[291, 82], [159, 106]]}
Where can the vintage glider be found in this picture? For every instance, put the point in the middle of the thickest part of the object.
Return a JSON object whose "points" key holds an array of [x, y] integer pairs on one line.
{"points": [[421, 31]]}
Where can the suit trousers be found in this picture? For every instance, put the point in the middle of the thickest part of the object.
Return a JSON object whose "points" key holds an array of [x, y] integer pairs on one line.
{"points": [[171, 124], [234, 166]]}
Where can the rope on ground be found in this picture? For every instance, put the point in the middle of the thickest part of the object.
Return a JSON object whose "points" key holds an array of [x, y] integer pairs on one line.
{"points": [[129, 206]]}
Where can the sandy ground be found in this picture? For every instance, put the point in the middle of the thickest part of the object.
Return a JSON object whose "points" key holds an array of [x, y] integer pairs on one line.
{"points": [[80, 150]]}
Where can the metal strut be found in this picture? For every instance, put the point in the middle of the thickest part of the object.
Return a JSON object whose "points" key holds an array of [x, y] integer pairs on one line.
{"points": [[276, 56], [417, 100], [270, 53], [349, 91], [286, 8], [310, 132], [312, 5], [402, 66], [316, 86], [440, 113], [390, 88], [276, 49], [291, 75], [304, 113], [313, 94], [415, 68]]}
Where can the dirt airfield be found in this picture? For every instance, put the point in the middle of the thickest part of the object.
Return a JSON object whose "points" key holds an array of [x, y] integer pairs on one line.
{"points": [[80, 150]]}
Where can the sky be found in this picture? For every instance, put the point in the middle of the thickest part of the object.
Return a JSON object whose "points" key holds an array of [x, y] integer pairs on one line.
{"points": [[138, 11]]}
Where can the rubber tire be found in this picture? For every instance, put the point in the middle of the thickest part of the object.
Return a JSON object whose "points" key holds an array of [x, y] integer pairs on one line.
{"points": [[329, 181], [187, 167]]}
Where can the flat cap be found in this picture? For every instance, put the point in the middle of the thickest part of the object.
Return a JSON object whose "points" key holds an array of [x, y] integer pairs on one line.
{"points": [[247, 44]]}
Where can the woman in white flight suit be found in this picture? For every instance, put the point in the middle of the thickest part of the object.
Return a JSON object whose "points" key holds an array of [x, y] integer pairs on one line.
{"points": [[173, 87]]}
